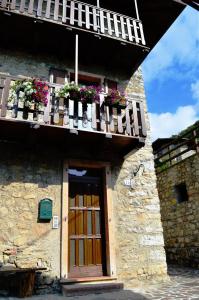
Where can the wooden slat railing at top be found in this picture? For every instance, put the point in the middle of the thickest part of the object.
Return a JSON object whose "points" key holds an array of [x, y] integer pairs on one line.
{"points": [[82, 16], [179, 149], [72, 114]]}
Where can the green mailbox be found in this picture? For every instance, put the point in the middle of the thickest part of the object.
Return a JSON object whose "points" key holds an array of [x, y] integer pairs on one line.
{"points": [[45, 209]]}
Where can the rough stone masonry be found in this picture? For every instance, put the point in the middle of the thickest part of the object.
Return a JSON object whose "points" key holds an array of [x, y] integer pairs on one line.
{"points": [[28, 174], [181, 220]]}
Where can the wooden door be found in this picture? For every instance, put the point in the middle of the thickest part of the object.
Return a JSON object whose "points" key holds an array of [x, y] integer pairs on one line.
{"points": [[86, 225]]}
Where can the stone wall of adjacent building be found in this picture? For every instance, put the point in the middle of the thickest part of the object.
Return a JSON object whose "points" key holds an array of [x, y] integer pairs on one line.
{"points": [[28, 175], [181, 220]]}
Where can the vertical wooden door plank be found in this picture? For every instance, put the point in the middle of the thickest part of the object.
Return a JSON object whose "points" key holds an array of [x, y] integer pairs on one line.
{"points": [[81, 222], [98, 251], [77, 252], [90, 251], [94, 252], [71, 223]]}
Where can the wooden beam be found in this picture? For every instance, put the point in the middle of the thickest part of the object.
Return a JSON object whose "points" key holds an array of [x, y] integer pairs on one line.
{"points": [[192, 3], [64, 223]]}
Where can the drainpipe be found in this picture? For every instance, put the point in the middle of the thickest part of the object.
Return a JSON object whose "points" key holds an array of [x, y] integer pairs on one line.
{"points": [[76, 58], [136, 9]]}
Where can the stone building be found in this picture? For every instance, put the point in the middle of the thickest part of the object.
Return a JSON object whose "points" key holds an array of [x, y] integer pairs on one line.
{"points": [[77, 184], [177, 168]]}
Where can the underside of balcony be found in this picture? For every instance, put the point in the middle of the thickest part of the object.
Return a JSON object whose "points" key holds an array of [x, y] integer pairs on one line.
{"points": [[111, 35], [61, 141]]}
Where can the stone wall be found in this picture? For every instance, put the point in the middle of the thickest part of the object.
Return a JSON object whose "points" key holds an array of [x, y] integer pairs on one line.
{"points": [[140, 253], [181, 220], [27, 176]]}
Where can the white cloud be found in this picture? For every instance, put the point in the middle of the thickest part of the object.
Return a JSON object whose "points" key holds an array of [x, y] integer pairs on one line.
{"points": [[166, 124], [180, 46]]}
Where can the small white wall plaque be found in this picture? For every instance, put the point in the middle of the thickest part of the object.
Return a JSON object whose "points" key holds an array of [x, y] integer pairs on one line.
{"points": [[129, 182], [55, 222]]}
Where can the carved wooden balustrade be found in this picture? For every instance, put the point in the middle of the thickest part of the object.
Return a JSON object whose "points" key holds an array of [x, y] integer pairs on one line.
{"points": [[82, 16], [74, 115]]}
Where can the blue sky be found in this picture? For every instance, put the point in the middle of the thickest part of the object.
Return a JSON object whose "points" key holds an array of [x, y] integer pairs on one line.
{"points": [[171, 74]]}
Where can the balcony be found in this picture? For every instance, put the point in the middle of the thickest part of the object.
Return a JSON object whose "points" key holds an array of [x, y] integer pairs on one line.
{"points": [[81, 16], [171, 151], [93, 127]]}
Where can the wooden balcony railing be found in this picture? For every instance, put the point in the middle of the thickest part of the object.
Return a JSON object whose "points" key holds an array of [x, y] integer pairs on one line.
{"points": [[73, 115], [82, 16], [176, 151]]}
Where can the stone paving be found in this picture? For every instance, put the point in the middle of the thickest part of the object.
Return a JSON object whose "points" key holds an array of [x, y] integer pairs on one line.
{"points": [[183, 285]]}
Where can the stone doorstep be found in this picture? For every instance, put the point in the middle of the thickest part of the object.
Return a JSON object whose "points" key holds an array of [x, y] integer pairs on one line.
{"points": [[85, 288], [87, 279]]}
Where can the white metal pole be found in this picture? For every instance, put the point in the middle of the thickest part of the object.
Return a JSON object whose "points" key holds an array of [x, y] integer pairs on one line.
{"points": [[76, 57], [136, 9], [98, 3]]}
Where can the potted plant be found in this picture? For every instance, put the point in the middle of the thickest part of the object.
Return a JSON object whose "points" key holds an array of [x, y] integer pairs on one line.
{"points": [[26, 94], [20, 96], [113, 98], [39, 96], [90, 94], [69, 90]]}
